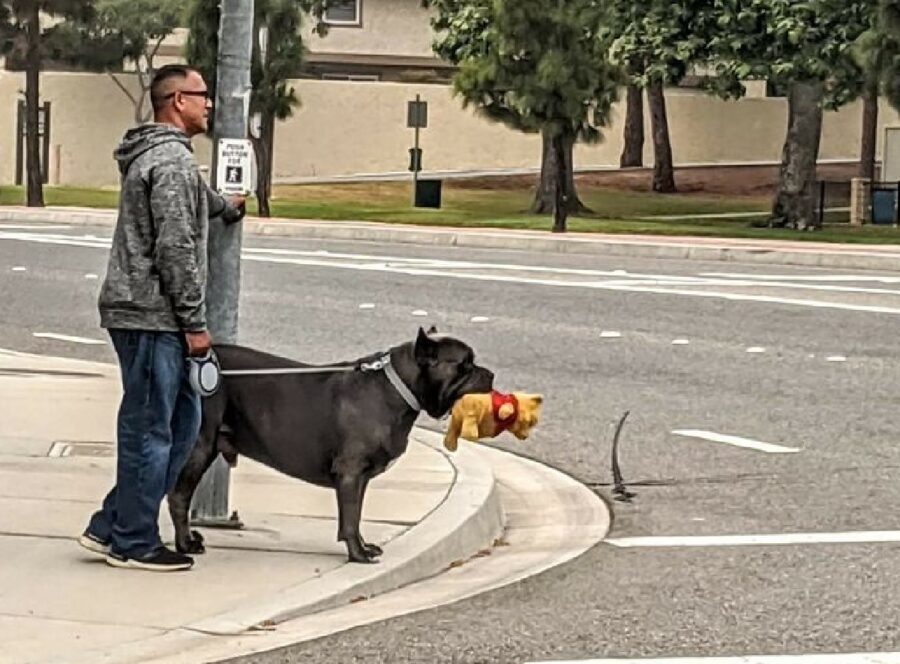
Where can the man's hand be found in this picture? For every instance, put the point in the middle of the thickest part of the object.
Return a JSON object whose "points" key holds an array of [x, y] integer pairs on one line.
{"points": [[198, 343], [237, 201]]}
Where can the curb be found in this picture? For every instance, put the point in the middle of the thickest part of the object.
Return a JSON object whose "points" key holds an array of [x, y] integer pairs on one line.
{"points": [[469, 518], [551, 519], [687, 248]]}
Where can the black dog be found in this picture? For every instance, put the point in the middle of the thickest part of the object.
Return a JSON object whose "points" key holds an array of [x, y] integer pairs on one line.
{"points": [[336, 429]]}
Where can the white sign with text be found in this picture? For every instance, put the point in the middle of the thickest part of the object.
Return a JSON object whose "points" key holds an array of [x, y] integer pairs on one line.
{"points": [[235, 160]]}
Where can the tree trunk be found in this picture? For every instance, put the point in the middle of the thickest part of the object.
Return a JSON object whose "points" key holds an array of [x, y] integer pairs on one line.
{"points": [[869, 134], [35, 177], [633, 149], [663, 169], [544, 197], [560, 145], [794, 205], [264, 146]]}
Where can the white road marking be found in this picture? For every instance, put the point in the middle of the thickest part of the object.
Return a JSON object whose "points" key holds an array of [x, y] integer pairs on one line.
{"points": [[419, 312], [836, 358], [805, 277], [66, 337], [367, 305], [680, 342], [444, 269], [479, 319], [772, 539], [32, 227], [737, 441], [839, 658], [610, 334], [20, 268], [91, 276], [756, 349]]}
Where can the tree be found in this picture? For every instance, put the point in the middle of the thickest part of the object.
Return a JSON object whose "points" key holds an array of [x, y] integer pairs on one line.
{"points": [[805, 47], [25, 39], [277, 30], [885, 37], [870, 57], [535, 66], [633, 143], [139, 27], [875, 52], [123, 31], [657, 42]]}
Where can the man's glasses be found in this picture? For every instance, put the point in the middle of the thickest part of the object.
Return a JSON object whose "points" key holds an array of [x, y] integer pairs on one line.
{"points": [[189, 93]]}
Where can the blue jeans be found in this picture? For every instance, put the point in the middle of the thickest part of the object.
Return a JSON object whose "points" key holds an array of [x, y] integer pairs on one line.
{"points": [[158, 423]]}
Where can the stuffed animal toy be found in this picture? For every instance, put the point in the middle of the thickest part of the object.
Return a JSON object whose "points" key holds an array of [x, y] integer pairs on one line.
{"points": [[477, 416]]}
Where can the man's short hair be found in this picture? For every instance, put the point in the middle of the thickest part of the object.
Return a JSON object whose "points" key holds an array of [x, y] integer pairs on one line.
{"points": [[162, 84]]}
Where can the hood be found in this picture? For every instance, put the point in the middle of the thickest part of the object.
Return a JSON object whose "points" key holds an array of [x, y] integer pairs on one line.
{"points": [[140, 139]]}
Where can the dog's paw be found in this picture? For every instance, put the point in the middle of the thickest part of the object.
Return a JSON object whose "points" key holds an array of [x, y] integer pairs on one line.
{"points": [[362, 555], [194, 544], [373, 549]]}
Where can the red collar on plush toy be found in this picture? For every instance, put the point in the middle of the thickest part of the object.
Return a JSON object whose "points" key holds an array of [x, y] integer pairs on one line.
{"points": [[498, 400]]}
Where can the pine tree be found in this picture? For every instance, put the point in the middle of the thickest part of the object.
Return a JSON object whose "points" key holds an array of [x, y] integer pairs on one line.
{"points": [[535, 66], [25, 38]]}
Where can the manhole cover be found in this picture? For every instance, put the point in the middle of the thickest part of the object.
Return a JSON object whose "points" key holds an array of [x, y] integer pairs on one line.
{"points": [[82, 448]]}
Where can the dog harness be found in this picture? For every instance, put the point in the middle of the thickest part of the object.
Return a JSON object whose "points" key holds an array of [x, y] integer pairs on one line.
{"points": [[205, 374], [498, 400]]}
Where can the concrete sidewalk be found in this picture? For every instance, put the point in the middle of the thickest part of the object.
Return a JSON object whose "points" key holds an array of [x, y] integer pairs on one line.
{"points": [[770, 252], [60, 604]]}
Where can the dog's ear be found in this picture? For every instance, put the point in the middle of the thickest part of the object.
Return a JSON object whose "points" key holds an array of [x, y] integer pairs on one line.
{"points": [[432, 330], [426, 349]]}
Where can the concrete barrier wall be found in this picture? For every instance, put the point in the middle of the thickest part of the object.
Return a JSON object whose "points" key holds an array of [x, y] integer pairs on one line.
{"points": [[345, 129]]}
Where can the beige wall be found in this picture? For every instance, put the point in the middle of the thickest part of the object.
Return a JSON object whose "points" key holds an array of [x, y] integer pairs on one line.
{"points": [[389, 27], [89, 114], [347, 129]]}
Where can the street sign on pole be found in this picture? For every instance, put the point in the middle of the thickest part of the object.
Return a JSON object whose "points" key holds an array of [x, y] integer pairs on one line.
{"points": [[210, 505], [235, 160], [416, 118]]}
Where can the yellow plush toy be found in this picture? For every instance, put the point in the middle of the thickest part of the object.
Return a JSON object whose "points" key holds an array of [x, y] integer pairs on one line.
{"points": [[477, 416]]}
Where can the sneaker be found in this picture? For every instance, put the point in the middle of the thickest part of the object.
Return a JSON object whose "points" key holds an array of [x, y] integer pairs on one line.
{"points": [[161, 560], [94, 544]]}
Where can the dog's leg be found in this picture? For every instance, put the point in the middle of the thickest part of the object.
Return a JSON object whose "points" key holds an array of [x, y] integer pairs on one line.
{"points": [[374, 549], [349, 481], [202, 456]]}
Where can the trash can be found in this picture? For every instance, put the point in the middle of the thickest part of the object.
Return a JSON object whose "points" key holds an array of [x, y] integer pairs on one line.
{"points": [[884, 205], [428, 193]]}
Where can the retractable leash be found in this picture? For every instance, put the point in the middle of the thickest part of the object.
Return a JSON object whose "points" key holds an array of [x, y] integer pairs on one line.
{"points": [[205, 374]]}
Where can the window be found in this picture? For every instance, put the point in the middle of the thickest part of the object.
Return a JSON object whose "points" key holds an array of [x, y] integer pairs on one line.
{"points": [[350, 77], [343, 12]]}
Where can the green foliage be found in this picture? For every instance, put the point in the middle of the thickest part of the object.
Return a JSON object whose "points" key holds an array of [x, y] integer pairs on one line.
{"points": [[658, 40], [54, 39], [534, 65], [878, 50], [786, 41], [283, 18]]}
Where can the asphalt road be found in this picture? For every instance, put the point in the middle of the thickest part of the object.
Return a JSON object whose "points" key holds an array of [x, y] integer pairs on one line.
{"points": [[595, 335]]}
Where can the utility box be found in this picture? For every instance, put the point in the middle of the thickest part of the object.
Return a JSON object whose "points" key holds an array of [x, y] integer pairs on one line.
{"points": [[884, 204], [428, 194]]}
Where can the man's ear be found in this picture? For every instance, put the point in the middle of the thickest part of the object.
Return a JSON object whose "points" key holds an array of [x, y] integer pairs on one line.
{"points": [[426, 349]]}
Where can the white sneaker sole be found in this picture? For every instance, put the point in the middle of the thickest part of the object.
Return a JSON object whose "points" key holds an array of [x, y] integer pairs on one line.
{"points": [[131, 563], [94, 546]]}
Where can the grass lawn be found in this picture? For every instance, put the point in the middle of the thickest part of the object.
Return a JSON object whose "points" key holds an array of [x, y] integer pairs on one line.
{"points": [[504, 205]]}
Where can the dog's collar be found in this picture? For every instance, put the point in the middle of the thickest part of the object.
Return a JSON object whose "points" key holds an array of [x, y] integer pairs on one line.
{"points": [[383, 363]]}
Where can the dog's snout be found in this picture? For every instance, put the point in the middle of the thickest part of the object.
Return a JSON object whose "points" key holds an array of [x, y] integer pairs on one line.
{"points": [[487, 378]]}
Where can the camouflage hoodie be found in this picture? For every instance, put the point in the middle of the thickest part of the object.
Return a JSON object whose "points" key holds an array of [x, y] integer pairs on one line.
{"points": [[156, 276]]}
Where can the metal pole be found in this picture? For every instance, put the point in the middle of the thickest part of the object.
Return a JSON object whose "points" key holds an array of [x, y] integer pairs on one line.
{"points": [[416, 160], [210, 506]]}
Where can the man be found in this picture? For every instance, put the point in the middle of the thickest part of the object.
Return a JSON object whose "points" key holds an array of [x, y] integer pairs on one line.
{"points": [[153, 305]]}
